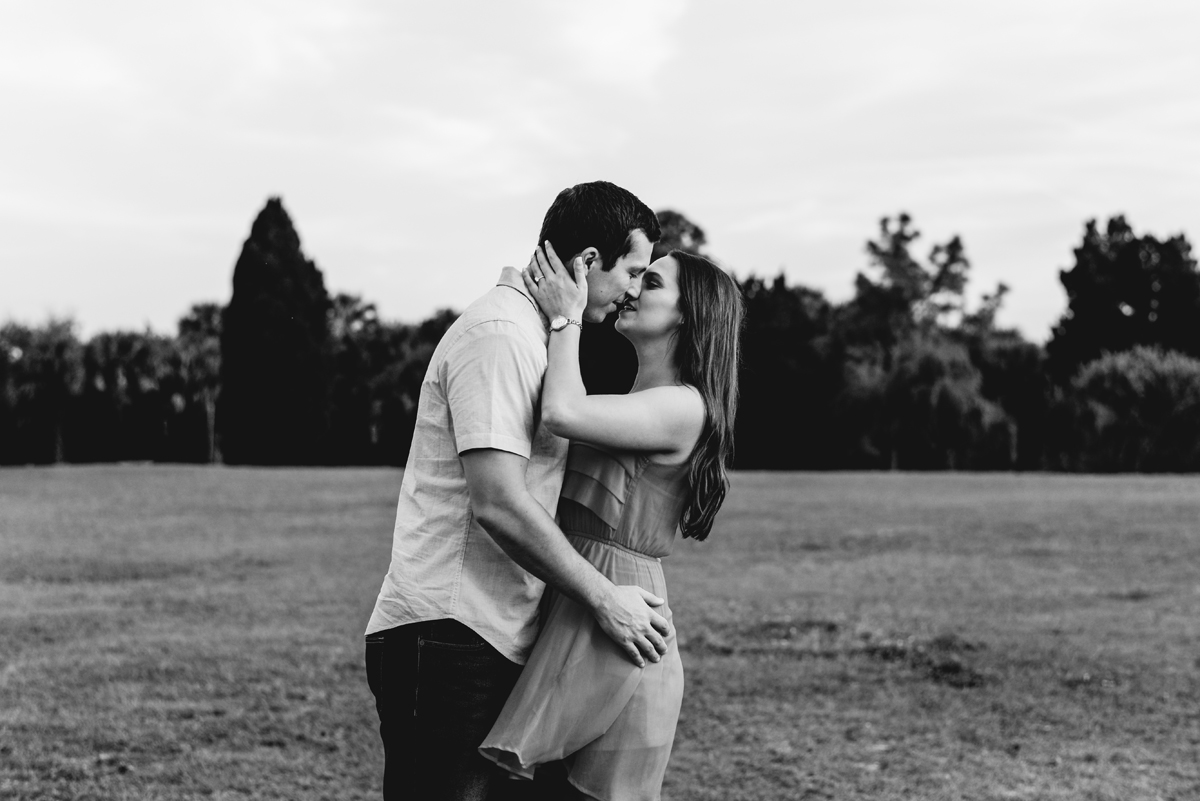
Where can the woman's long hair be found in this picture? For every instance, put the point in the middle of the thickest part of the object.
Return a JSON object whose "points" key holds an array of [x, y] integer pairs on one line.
{"points": [[707, 353]]}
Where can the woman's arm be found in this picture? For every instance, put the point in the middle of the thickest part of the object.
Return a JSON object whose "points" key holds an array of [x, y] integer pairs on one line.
{"points": [[661, 420]]}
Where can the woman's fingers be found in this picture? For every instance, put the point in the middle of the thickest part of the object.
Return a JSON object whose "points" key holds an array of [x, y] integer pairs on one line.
{"points": [[530, 284], [552, 258], [535, 272], [553, 262], [579, 273], [544, 263], [549, 265]]}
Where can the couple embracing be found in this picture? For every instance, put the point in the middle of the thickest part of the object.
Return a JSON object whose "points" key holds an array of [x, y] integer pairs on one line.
{"points": [[523, 631]]}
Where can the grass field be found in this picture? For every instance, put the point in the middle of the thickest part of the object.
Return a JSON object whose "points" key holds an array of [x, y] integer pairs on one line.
{"points": [[178, 633]]}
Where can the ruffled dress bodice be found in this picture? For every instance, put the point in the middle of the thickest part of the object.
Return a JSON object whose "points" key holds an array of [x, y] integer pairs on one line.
{"points": [[625, 499]]}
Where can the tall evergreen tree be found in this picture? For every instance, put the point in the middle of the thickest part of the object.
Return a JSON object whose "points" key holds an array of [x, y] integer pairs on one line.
{"points": [[275, 351]]}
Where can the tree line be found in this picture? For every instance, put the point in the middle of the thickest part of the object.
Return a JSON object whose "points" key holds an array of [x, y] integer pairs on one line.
{"points": [[904, 375]]}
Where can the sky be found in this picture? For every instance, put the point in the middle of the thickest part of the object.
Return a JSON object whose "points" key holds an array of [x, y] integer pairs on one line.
{"points": [[417, 145]]}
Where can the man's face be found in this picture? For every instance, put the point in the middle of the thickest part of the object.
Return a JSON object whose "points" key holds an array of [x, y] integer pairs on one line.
{"points": [[606, 287]]}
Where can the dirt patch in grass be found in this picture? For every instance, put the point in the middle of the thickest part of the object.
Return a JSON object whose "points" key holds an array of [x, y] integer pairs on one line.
{"points": [[944, 659]]}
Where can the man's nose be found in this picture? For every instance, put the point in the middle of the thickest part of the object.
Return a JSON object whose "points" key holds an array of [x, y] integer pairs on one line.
{"points": [[635, 287]]}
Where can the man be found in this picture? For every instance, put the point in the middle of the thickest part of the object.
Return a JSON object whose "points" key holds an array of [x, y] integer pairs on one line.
{"points": [[475, 536]]}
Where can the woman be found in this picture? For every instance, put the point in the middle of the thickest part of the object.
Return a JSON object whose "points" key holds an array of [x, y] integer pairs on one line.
{"points": [[640, 467]]}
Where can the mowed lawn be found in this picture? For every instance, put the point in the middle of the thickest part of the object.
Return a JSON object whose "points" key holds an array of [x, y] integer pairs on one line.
{"points": [[176, 633]]}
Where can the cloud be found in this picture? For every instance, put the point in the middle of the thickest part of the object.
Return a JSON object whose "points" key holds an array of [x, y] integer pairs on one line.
{"points": [[621, 43], [380, 122], [503, 114], [449, 146], [66, 67]]}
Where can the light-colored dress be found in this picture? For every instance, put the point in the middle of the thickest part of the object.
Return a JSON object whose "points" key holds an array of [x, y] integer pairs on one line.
{"points": [[579, 697]]}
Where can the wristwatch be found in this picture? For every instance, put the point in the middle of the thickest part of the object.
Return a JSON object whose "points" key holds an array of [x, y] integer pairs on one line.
{"points": [[560, 322]]}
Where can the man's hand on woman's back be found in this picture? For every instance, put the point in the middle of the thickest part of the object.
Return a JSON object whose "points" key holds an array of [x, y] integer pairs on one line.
{"points": [[633, 624]]}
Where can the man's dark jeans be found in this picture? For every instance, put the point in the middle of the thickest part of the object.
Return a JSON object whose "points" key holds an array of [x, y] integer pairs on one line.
{"points": [[438, 689]]}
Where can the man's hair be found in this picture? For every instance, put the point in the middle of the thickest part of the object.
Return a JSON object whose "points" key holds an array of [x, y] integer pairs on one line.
{"points": [[600, 215]]}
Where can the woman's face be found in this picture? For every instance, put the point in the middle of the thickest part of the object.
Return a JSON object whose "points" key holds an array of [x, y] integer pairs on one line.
{"points": [[651, 306]]}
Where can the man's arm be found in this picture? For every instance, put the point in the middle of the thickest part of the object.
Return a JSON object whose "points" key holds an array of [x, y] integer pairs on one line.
{"points": [[518, 523]]}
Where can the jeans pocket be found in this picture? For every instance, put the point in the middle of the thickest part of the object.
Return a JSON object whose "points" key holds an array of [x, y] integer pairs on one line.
{"points": [[450, 633], [461, 688]]}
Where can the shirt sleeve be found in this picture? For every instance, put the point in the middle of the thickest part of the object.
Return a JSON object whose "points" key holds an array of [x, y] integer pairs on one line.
{"points": [[493, 384]]}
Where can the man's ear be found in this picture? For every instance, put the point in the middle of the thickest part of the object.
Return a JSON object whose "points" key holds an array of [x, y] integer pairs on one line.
{"points": [[591, 258]]}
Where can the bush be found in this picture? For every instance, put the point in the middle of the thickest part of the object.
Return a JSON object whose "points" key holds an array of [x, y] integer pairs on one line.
{"points": [[1138, 410]]}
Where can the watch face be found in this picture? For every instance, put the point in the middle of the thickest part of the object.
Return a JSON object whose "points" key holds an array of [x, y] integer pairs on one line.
{"points": [[558, 323]]}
